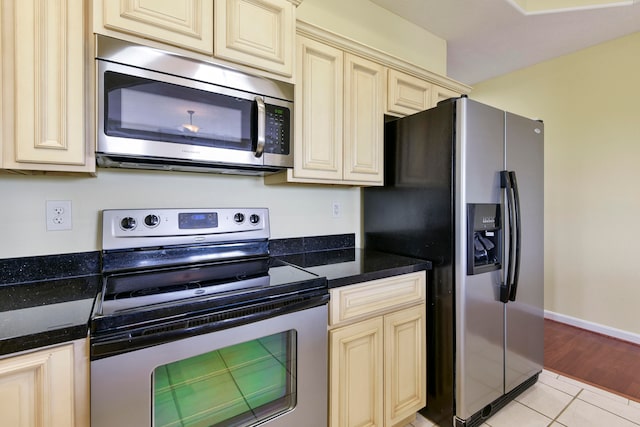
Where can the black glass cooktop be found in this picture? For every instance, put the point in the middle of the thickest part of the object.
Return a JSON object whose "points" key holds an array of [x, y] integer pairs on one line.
{"points": [[130, 298]]}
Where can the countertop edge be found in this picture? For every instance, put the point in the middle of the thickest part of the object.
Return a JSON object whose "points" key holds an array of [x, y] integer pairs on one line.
{"points": [[389, 265], [381, 274]]}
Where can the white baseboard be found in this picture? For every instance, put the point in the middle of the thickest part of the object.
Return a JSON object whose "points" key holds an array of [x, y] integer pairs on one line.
{"points": [[593, 327]]}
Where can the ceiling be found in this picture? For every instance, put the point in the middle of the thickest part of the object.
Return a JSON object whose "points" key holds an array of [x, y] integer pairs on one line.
{"points": [[487, 38]]}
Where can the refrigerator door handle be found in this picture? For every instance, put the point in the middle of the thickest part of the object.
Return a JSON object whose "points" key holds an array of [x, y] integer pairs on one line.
{"points": [[505, 288], [517, 212]]}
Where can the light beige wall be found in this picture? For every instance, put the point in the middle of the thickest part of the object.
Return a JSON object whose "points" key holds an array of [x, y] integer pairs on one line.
{"points": [[375, 27], [295, 210], [589, 103]]}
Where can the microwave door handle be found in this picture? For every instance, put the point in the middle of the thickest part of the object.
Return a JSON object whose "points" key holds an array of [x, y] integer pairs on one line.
{"points": [[261, 125]]}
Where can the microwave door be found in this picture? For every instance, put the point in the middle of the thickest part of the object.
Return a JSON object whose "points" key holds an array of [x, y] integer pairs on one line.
{"points": [[160, 110], [145, 116]]}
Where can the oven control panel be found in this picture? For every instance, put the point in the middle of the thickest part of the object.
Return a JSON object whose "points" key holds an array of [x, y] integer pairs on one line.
{"points": [[138, 228]]}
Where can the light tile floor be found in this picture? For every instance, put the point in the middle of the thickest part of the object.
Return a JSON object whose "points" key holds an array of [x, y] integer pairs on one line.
{"points": [[557, 401]]}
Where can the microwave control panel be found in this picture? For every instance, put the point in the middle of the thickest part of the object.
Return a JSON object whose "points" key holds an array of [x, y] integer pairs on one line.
{"points": [[277, 132]]}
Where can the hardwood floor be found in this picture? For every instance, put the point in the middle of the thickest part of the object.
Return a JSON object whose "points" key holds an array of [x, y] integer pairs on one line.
{"points": [[592, 358]]}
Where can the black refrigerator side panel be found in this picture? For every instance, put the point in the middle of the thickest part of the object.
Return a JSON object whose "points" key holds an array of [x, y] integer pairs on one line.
{"points": [[413, 215]]}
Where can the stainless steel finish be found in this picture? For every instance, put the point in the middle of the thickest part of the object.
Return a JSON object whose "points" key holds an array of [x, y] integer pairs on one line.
{"points": [[239, 295], [146, 62], [167, 231], [450, 208], [479, 313], [123, 52], [261, 126], [524, 340], [125, 398], [498, 346]]}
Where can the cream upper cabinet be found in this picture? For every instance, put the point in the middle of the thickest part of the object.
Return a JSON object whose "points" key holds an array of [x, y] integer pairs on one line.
{"points": [[363, 121], [46, 388], [184, 23], [407, 94], [318, 111], [339, 121], [259, 33], [440, 94], [45, 95], [256, 33], [343, 91], [377, 352]]}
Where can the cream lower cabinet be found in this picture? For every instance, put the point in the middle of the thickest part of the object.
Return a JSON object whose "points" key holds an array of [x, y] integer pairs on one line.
{"points": [[339, 121], [407, 94], [257, 33], [45, 117], [377, 358], [46, 388]]}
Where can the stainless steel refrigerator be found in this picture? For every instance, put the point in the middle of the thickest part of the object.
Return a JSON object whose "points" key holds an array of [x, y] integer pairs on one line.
{"points": [[464, 189]]}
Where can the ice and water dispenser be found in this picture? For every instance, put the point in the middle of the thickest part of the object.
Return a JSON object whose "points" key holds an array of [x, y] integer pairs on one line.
{"points": [[484, 238]]}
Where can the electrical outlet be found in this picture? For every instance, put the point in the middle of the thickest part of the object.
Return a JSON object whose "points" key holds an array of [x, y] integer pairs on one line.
{"points": [[336, 209], [58, 215]]}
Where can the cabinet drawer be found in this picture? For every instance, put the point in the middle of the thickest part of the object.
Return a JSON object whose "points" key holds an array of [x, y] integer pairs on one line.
{"points": [[375, 297]]}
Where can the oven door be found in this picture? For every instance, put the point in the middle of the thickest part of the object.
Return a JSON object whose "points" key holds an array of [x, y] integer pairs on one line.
{"points": [[272, 372]]}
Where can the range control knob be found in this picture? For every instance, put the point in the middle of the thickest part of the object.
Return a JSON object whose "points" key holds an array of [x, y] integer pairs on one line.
{"points": [[128, 223], [254, 219], [152, 220], [239, 217]]}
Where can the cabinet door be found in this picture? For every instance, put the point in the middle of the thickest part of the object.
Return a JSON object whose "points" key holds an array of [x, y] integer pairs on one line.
{"points": [[363, 120], [356, 379], [259, 33], [405, 363], [318, 111], [44, 82], [440, 94], [407, 94], [36, 389], [183, 23]]}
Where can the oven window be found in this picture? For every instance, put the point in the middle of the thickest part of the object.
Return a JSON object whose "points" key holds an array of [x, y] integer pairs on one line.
{"points": [[241, 385], [158, 111]]}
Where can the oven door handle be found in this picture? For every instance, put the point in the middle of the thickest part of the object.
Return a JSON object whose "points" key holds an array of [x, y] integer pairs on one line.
{"points": [[261, 126], [123, 341]]}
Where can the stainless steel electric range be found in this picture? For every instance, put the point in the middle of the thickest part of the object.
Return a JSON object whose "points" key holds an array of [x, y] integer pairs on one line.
{"points": [[196, 325]]}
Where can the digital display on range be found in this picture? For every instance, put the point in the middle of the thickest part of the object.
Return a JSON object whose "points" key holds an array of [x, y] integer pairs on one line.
{"points": [[197, 220]]}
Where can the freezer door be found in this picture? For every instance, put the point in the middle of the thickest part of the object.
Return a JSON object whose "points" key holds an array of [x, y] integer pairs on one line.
{"points": [[525, 315], [479, 313]]}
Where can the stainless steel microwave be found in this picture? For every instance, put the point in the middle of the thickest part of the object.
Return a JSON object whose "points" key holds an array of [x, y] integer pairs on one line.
{"points": [[159, 110]]}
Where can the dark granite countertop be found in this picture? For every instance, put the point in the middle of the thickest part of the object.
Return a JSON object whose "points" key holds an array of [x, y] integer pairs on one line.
{"points": [[48, 300], [348, 266]]}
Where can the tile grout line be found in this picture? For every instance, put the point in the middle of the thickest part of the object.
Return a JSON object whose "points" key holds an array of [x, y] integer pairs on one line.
{"points": [[577, 397], [573, 399], [607, 410], [538, 412], [563, 409]]}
